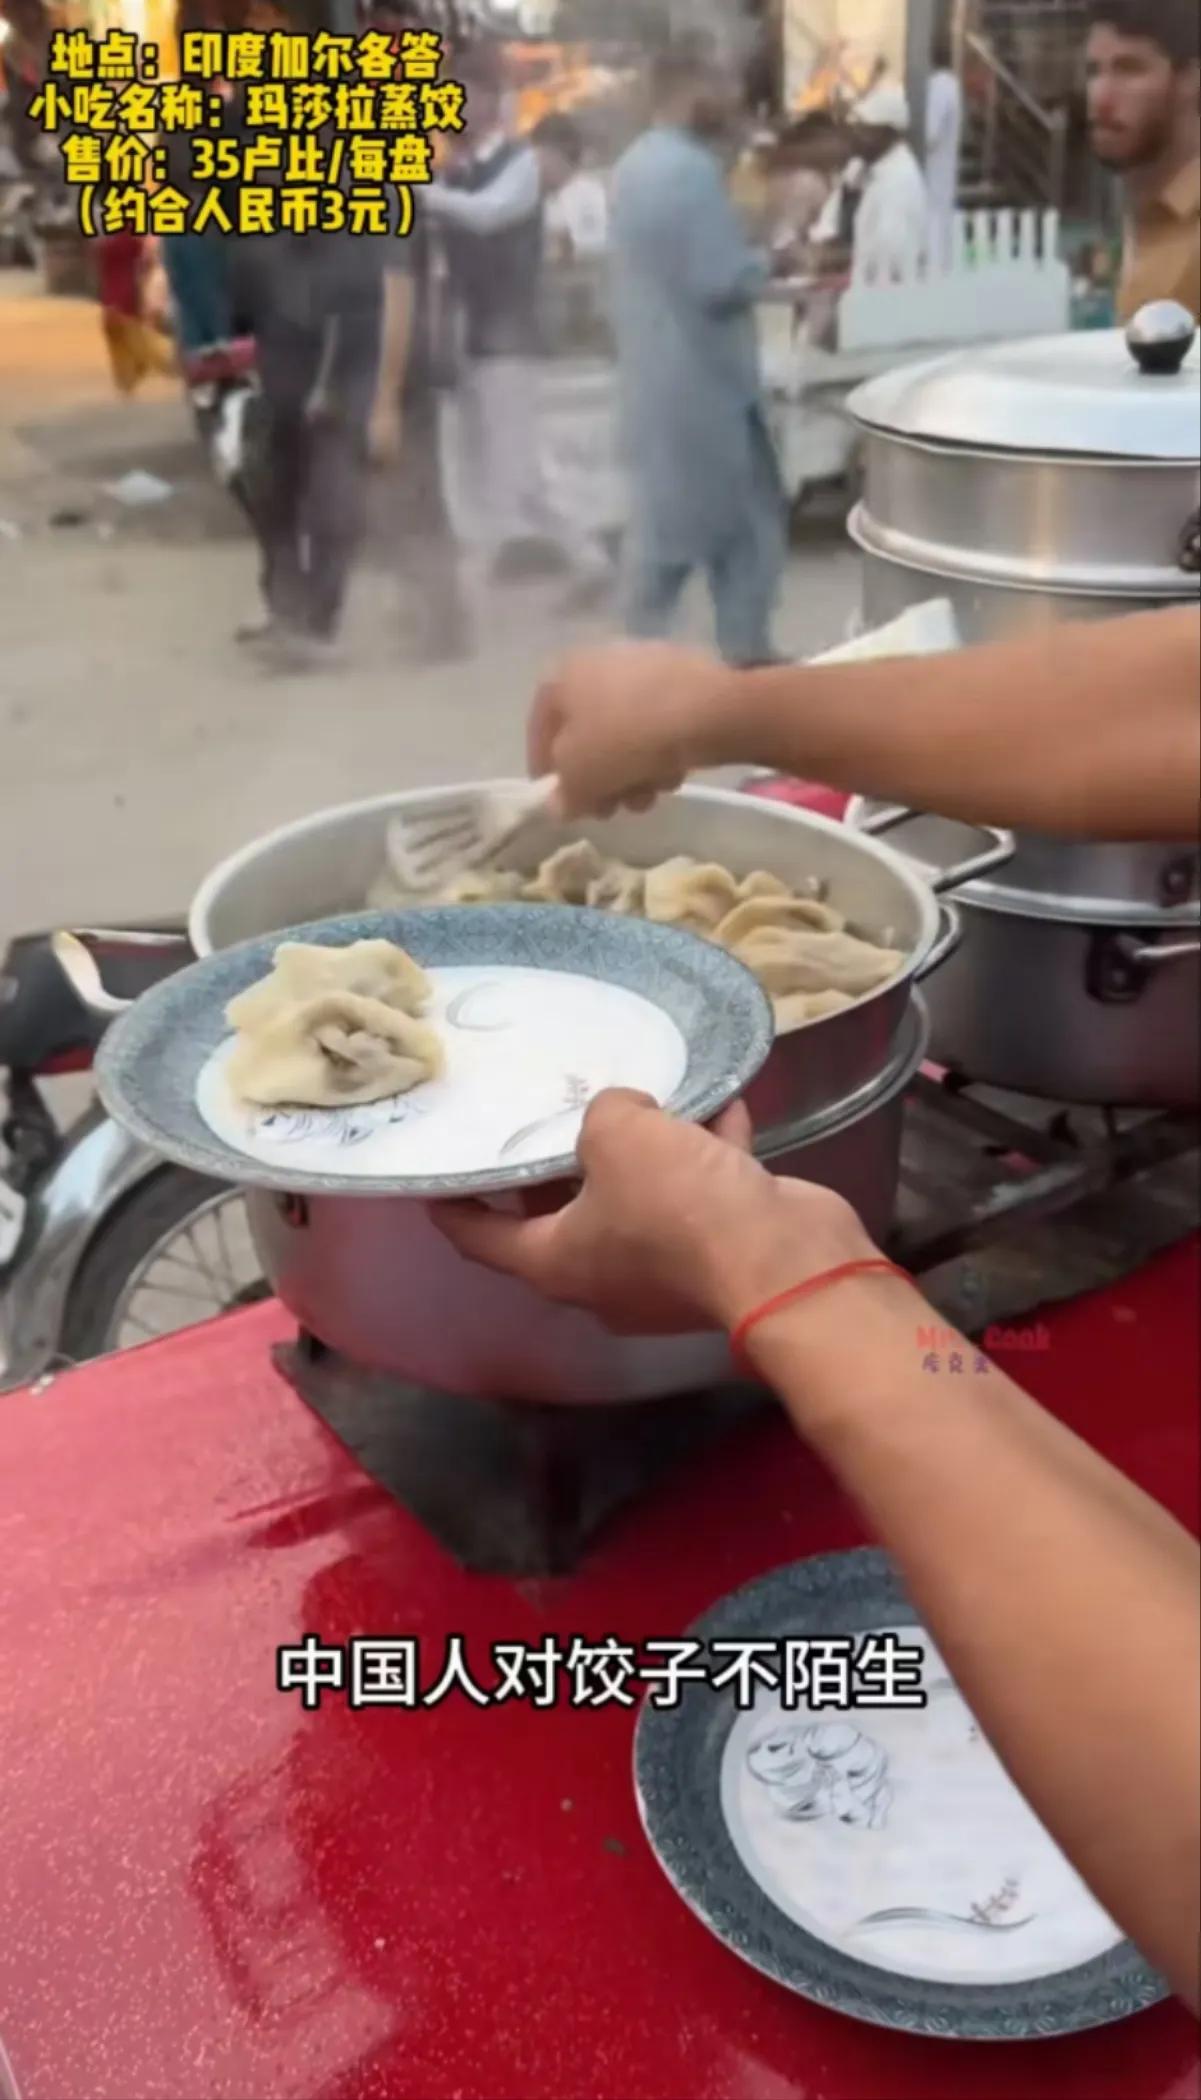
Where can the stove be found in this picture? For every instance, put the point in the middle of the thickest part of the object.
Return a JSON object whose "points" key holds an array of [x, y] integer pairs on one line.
{"points": [[1007, 1205]]}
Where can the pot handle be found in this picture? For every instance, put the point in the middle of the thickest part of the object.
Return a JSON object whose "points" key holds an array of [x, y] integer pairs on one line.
{"points": [[79, 955], [1150, 958], [996, 855], [945, 946]]}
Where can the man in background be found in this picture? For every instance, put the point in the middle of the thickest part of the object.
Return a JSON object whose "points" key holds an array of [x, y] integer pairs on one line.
{"points": [[944, 140], [408, 505], [1144, 83], [892, 217], [490, 213], [705, 486]]}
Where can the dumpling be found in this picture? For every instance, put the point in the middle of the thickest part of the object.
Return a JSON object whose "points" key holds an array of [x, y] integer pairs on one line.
{"points": [[484, 886], [799, 1009], [567, 876], [789, 914], [690, 894], [761, 884], [377, 970], [621, 890], [334, 1051], [788, 960]]}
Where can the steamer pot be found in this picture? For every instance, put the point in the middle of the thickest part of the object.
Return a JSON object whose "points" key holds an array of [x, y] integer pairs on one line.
{"points": [[1034, 482], [1081, 999], [374, 1279]]}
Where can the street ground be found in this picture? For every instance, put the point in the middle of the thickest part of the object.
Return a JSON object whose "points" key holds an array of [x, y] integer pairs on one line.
{"points": [[137, 745]]}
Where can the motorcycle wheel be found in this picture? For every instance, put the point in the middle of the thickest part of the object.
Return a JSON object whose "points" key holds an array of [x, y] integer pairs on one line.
{"points": [[175, 1253]]}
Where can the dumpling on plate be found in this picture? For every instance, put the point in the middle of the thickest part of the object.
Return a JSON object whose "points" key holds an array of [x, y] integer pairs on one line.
{"points": [[789, 914], [376, 970], [691, 894], [620, 890], [335, 1051], [567, 876], [793, 959]]}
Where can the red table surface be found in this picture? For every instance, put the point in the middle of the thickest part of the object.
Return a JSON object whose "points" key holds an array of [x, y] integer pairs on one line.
{"points": [[206, 1894]]}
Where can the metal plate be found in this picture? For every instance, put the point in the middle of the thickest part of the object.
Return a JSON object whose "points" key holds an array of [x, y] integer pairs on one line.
{"points": [[692, 1812], [149, 1064]]}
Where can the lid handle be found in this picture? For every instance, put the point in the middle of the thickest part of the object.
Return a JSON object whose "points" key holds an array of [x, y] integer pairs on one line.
{"points": [[1160, 337]]}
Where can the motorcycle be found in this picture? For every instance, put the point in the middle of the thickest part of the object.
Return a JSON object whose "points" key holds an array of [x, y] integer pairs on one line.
{"points": [[102, 1245]]}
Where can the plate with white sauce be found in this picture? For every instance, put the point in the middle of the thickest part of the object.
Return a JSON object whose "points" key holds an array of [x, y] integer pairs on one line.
{"points": [[538, 1010]]}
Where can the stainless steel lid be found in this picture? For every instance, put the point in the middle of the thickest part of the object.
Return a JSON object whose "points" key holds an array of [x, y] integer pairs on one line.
{"points": [[1133, 394]]}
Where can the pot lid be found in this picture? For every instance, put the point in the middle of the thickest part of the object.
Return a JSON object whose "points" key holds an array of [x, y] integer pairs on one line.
{"points": [[1133, 394]]}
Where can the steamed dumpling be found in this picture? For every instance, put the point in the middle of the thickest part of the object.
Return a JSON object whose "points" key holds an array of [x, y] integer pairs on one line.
{"points": [[799, 1009], [484, 886], [621, 890], [761, 884], [788, 960], [335, 1051], [785, 913], [377, 970], [567, 876], [691, 895]]}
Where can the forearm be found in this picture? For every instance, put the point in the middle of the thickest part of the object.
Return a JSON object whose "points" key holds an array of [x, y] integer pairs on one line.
{"points": [[1064, 1601], [1088, 730], [396, 336], [515, 195]]}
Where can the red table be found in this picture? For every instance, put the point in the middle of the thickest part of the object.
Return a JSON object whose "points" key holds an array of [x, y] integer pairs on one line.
{"points": [[208, 1894]]}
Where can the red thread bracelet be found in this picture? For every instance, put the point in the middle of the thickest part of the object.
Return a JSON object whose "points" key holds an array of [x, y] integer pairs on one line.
{"points": [[800, 1291]]}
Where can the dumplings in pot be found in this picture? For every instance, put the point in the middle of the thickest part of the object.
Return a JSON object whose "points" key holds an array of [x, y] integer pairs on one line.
{"points": [[334, 1051], [567, 876], [484, 886], [376, 970], [787, 913], [788, 960], [620, 890], [691, 895], [798, 1009]]}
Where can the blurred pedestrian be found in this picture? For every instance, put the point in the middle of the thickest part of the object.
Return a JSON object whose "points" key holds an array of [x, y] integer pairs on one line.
{"points": [[892, 224], [490, 211], [138, 348], [408, 497], [705, 483], [1143, 89], [944, 140]]}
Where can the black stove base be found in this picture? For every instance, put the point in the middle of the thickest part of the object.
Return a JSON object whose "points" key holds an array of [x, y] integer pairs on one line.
{"points": [[507, 1489]]}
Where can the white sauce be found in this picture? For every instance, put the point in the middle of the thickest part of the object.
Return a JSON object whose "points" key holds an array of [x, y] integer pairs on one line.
{"points": [[525, 1053]]}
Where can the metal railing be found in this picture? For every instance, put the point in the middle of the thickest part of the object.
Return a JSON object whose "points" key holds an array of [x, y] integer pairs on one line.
{"points": [[1022, 146]]}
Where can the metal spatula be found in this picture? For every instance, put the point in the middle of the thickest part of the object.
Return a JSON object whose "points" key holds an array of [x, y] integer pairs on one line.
{"points": [[429, 848]]}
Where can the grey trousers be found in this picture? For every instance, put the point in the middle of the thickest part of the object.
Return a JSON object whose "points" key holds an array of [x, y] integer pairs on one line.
{"points": [[744, 571]]}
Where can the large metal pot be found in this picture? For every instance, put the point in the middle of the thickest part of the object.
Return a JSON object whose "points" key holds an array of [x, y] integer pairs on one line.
{"points": [[373, 1278], [1074, 998], [377, 1281], [1036, 482], [1033, 483]]}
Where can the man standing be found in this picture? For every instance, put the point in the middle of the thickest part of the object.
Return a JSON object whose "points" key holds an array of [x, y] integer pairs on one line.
{"points": [[403, 433], [705, 483], [491, 217], [892, 224], [1143, 91], [944, 138]]}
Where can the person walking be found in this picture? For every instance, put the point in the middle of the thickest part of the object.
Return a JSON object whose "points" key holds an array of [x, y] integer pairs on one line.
{"points": [[490, 212], [944, 140], [705, 484]]}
